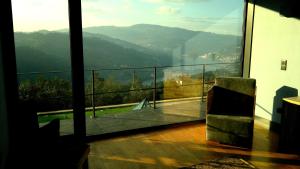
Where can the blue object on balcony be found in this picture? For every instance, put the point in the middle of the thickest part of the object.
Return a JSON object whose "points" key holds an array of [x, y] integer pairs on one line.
{"points": [[143, 104]]}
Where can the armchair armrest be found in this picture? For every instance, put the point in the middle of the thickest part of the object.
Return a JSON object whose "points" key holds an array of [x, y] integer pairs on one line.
{"points": [[49, 132]]}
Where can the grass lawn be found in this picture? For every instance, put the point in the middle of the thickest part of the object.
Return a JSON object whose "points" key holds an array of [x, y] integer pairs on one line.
{"points": [[100, 112]]}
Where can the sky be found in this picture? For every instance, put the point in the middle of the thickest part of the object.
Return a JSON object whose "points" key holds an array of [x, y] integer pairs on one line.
{"points": [[218, 16]]}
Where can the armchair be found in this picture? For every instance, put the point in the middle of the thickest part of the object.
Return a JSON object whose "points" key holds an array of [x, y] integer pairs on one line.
{"points": [[43, 147], [230, 111]]}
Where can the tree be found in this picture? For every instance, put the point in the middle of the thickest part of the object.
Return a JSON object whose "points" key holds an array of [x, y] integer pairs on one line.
{"points": [[47, 94]]}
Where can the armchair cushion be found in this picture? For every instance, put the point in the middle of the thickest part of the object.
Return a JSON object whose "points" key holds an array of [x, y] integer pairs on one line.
{"points": [[231, 130]]}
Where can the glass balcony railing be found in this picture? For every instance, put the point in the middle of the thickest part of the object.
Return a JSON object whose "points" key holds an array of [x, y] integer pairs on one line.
{"points": [[172, 94]]}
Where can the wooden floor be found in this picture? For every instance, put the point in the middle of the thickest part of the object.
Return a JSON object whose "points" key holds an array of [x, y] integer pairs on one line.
{"points": [[184, 146]]}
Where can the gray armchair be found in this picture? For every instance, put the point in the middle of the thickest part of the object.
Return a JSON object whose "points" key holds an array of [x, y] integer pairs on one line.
{"points": [[230, 111]]}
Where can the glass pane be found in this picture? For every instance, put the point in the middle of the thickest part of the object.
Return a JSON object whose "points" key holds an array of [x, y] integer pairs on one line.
{"points": [[145, 53], [43, 59]]}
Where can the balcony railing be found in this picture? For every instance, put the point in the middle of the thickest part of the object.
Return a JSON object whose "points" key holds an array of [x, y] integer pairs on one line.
{"points": [[159, 80]]}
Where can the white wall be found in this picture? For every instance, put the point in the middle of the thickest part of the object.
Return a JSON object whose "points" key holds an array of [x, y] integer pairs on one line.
{"points": [[275, 37]]}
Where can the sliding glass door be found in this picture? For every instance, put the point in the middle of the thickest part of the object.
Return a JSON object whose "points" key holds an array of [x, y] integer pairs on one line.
{"points": [[146, 62], [43, 59], [151, 62]]}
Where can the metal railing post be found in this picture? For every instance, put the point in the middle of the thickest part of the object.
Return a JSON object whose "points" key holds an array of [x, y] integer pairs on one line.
{"points": [[154, 89], [133, 85], [93, 93], [203, 81]]}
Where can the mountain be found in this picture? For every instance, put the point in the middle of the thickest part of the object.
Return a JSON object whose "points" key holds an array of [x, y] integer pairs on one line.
{"points": [[33, 60], [150, 36], [159, 56], [47, 51], [175, 41], [133, 46], [101, 53]]}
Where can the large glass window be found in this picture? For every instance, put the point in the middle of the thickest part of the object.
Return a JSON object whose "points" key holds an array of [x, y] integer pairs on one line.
{"points": [[147, 62], [43, 59], [141, 54]]}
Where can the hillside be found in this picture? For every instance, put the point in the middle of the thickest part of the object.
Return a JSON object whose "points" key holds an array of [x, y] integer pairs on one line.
{"points": [[175, 41], [47, 51], [133, 46], [149, 36]]}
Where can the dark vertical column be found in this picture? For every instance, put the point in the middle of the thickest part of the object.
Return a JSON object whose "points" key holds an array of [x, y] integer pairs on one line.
{"points": [[93, 93], [77, 68], [9, 131], [133, 80], [154, 88], [203, 82]]}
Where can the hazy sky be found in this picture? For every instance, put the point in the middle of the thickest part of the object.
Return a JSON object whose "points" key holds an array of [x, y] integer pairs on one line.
{"points": [[220, 16]]}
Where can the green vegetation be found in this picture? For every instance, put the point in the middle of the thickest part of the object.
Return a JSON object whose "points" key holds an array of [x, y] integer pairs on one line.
{"points": [[47, 94], [69, 115], [56, 93], [183, 87]]}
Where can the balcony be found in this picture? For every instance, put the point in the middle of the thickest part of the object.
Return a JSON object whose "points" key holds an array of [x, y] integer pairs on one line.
{"points": [[173, 94]]}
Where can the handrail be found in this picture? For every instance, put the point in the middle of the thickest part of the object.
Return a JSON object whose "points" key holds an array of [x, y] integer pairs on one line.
{"points": [[154, 88], [132, 68]]}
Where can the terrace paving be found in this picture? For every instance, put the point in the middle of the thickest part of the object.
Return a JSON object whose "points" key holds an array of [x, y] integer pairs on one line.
{"points": [[165, 113]]}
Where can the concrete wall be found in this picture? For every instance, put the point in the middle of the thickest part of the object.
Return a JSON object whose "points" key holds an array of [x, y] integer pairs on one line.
{"points": [[275, 38]]}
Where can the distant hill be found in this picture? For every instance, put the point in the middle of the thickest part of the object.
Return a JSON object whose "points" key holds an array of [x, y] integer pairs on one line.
{"points": [[133, 46], [31, 59], [149, 36], [175, 41], [127, 44], [47, 51]]}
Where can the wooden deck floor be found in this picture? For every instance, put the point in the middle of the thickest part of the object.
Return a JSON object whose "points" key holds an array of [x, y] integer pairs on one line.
{"points": [[166, 113], [184, 146]]}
